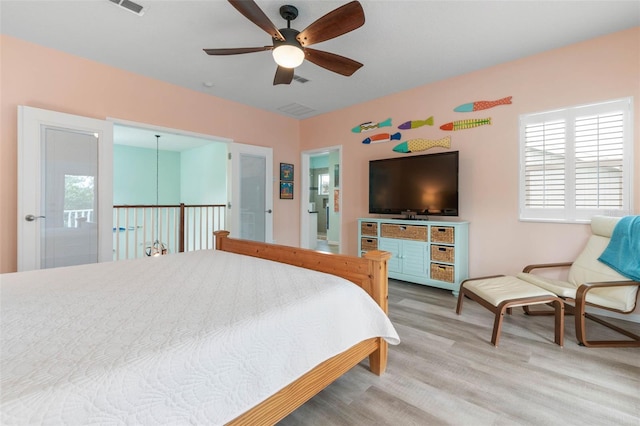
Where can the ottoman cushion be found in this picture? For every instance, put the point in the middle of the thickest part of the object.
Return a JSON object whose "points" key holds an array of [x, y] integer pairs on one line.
{"points": [[497, 290]]}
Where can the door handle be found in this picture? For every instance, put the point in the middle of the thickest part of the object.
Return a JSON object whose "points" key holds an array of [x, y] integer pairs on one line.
{"points": [[268, 211], [31, 218]]}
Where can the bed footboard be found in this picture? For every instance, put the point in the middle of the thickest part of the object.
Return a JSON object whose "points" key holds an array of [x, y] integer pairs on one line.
{"points": [[369, 272]]}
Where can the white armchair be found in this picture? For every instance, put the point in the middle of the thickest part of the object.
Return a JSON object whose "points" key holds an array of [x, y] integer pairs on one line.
{"points": [[591, 283]]}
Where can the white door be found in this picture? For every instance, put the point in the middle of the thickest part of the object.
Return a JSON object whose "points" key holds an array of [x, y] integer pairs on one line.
{"points": [[251, 204], [65, 173]]}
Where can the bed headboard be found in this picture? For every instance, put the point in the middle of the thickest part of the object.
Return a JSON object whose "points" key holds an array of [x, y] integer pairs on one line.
{"points": [[369, 272]]}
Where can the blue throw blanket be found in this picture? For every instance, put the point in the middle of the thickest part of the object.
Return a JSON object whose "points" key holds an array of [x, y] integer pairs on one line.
{"points": [[623, 252]]}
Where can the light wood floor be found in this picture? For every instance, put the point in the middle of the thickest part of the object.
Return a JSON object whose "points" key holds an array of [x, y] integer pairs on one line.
{"points": [[446, 371], [323, 245]]}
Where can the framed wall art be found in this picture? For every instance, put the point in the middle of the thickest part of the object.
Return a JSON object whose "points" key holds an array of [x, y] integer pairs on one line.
{"points": [[286, 172], [286, 190]]}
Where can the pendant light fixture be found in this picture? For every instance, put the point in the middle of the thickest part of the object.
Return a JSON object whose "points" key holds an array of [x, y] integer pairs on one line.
{"points": [[158, 248]]}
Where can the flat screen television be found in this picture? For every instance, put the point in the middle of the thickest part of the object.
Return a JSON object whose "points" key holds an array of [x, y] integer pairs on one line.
{"points": [[416, 185]]}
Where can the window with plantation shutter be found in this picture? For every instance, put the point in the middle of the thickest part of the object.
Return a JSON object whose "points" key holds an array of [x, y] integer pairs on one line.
{"points": [[576, 162]]}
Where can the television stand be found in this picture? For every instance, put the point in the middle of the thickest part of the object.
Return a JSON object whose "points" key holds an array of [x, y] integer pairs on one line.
{"points": [[433, 253]]}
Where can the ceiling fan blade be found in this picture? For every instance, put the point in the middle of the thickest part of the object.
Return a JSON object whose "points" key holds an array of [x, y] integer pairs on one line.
{"points": [[283, 76], [332, 62], [237, 51], [253, 13], [335, 23]]}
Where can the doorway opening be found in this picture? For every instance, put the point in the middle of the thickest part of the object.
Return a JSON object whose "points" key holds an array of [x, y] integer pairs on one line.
{"points": [[171, 192], [206, 177], [321, 219]]}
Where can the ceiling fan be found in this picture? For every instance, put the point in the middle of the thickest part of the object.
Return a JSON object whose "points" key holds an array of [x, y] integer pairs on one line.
{"points": [[290, 46]]}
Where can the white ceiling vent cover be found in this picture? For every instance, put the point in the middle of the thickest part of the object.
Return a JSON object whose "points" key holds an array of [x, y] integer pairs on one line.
{"points": [[136, 8], [300, 79], [296, 110]]}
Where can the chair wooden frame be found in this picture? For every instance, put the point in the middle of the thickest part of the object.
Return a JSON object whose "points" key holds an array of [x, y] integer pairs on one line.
{"points": [[578, 306], [506, 305]]}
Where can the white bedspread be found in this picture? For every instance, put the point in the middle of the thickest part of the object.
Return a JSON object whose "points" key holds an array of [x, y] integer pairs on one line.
{"points": [[192, 338]]}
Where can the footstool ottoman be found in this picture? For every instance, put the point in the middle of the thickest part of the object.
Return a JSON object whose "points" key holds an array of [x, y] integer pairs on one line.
{"points": [[500, 293]]}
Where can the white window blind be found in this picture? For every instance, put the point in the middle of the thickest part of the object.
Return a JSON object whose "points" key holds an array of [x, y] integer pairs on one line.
{"points": [[576, 162]]}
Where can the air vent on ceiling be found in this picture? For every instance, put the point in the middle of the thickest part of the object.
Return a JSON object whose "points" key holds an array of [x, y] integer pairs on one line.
{"points": [[136, 8], [296, 110], [300, 79]]}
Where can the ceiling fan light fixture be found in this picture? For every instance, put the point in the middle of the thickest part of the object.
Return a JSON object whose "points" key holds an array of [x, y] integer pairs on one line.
{"points": [[291, 47], [288, 55]]}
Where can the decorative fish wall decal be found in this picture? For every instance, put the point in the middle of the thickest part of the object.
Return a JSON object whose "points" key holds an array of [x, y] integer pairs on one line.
{"points": [[382, 137], [370, 125], [415, 124], [415, 145], [465, 124], [479, 105]]}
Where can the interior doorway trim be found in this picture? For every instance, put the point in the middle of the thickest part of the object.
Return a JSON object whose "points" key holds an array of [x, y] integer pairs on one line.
{"points": [[304, 197], [153, 127]]}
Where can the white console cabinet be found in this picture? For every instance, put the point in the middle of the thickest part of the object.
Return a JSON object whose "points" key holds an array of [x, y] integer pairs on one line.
{"points": [[434, 253]]}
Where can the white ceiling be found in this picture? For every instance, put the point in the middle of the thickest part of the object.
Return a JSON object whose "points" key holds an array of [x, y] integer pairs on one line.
{"points": [[403, 44]]}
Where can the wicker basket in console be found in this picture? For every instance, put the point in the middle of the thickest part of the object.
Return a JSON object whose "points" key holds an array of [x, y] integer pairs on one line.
{"points": [[367, 244], [405, 232], [442, 234], [369, 228], [443, 253], [442, 272]]}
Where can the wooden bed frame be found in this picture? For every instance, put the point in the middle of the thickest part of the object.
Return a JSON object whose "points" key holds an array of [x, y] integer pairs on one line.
{"points": [[368, 272]]}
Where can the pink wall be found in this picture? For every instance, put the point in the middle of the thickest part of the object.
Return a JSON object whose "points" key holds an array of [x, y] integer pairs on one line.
{"points": [[596, 70], [44, 78], [600, 69]]}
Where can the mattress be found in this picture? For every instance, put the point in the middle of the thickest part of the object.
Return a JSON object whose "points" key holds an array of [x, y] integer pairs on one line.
{"points": [[189, 338]]}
